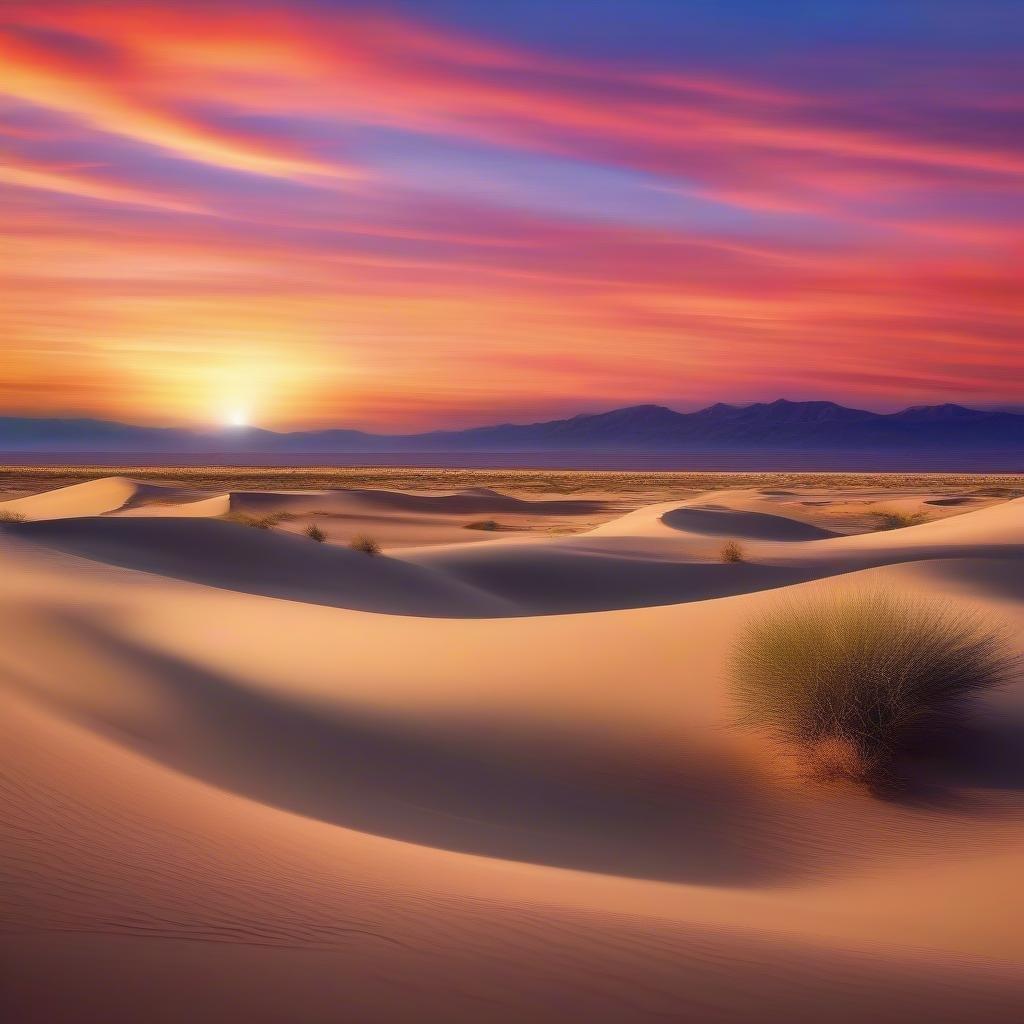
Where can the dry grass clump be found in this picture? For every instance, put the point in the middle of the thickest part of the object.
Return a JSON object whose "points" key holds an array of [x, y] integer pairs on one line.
{"points": [[267, 522], [255, 522], [315, 533], [365, 544], [898, 520], [732, 551], [484, 524], [851, 683], [7, 516]]}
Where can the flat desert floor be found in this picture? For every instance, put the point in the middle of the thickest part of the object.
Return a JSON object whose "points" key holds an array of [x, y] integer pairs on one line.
{"points": [[490, 774]]}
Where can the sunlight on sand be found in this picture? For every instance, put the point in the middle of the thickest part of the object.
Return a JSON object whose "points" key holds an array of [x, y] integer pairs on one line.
{"points": [[491, 767]]}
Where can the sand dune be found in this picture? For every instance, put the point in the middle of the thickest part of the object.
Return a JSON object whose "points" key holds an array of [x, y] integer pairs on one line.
{"points": [[670, 553], [93, 498], [243, 775], [955, 500], [189, 507], [395, 518], [202, 905], [721, 514], [122, 496], [472, 501], [544, 578], [997, 531], [729, 522], [233, 557], [399, 519]]}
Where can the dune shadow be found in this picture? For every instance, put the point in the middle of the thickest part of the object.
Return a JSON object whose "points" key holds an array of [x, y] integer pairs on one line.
{"points": [[267, 563], [494, 792], [978, 769], [999, 577], [986, 754], [473, 501], [555, 580], [716, 520], [463, 582]]}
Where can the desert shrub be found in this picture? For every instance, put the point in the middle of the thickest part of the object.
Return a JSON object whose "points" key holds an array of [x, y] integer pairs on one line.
{"points": [[732, 551], [255, 522], [315, 533], [898, 520], [267, 522], [7, 516], [853, 682], [365, 544], [484, 524]]}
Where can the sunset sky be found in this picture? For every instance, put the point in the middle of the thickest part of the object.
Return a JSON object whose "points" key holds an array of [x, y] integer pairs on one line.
{"points": [[405, 215]]}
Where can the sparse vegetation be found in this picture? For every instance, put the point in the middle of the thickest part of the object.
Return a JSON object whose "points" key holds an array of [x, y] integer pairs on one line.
{"points": [[639, 486], [365, 544], [732, 551], [315, 533], [484, 524], [7, 516], [898, 520], [852, 683], [255, 522], [267, 522]]}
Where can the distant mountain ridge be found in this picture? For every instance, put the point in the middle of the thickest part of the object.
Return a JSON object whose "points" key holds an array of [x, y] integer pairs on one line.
{"points": [[814, 426]]}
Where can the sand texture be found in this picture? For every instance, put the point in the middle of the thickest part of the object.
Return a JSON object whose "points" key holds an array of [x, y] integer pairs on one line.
{"points": [[486, 775]]}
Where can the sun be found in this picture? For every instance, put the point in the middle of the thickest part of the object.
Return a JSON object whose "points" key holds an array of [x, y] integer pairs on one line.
{"points": [[236, 418]]}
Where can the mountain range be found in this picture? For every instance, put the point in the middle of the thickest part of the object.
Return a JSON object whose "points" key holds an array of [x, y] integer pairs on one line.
{"points": [[764, 426]]}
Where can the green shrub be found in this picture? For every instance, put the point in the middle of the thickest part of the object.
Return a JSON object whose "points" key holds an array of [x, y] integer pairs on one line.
{"points": [[853, 682], [315, 533], [365, 544], [732, 551]]}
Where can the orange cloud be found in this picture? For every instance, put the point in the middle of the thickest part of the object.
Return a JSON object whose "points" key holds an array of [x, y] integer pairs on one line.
{"points": [[72, 182], [385, 71], [37, 75]]}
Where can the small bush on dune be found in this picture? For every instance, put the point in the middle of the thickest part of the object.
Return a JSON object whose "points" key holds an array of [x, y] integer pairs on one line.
{"points": [[267, 522], [246, 520], [732, 551], [315, 533], [7, 516], [365, 544], [258, 522], [484, 524], [853, 682], [898, 520]]}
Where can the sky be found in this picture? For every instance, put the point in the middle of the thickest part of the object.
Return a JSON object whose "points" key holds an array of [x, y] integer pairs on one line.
{"points": [[407, 215]]}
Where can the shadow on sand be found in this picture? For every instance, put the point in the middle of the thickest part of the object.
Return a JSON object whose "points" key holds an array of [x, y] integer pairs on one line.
{"points": [[482, 788]]}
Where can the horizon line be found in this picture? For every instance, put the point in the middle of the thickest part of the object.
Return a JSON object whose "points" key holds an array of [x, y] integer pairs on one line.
{"points": [[229, 428]]}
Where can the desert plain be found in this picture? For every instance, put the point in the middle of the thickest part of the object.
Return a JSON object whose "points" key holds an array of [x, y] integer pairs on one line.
{"points": [[487, 768]]}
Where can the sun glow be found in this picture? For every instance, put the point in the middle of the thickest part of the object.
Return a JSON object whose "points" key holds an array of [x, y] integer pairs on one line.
{"points": [[236, 418]]}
